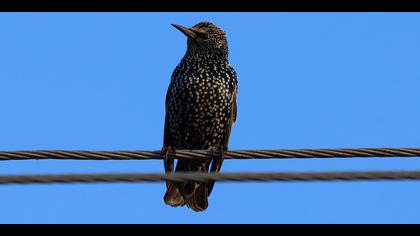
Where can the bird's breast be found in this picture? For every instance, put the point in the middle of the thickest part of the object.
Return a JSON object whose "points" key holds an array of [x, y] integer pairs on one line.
{"points": [[200, 107]]}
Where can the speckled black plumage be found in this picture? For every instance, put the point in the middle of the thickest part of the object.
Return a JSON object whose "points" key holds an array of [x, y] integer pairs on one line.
{"points": [[200, 107]]}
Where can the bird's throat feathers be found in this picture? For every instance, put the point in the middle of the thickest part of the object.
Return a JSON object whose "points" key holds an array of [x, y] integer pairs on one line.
{"points": [[195, 49], [202, 54]]}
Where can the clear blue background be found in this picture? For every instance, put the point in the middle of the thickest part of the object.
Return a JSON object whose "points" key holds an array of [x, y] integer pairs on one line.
{"points": [[97, 81]]}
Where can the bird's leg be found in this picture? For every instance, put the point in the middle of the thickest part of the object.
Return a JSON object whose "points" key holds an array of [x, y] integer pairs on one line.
{"points": [[216, 165], [217, 159], [168, 154]]}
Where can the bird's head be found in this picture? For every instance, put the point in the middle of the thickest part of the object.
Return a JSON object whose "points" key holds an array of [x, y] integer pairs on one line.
{"points": [[205, 36]]}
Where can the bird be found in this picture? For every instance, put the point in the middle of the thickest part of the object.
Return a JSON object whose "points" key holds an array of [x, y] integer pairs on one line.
{"points": [[201, 108]]}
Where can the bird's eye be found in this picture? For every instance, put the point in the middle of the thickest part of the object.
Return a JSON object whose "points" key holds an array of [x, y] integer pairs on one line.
{"points": [[201, 34]]}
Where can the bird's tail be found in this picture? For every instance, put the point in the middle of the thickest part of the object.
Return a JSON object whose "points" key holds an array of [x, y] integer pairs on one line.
{"points": [[173, 195], [195, 194], [197, 200]]}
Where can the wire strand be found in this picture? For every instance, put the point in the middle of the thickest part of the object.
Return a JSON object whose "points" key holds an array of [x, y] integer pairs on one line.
{"points": [[194, 154], [204, 177]]}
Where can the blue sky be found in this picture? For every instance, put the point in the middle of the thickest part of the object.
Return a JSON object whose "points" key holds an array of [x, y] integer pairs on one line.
{"points": [[97, 81]]}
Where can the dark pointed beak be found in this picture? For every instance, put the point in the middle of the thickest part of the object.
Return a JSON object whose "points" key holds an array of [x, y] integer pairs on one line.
{"points": [[189, 33]]}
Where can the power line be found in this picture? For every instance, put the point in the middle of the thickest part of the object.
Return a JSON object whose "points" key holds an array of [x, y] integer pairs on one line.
{"points": [[194, 154], [205, 177]]}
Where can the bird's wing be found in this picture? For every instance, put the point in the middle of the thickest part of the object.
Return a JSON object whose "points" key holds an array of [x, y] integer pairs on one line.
{"points": [[168, 140], [216, 165], [232, 118], [172, 196], [167, 137]]}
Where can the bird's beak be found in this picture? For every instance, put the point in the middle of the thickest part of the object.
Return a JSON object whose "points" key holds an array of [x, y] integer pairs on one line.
{"points": [[189, 33]]}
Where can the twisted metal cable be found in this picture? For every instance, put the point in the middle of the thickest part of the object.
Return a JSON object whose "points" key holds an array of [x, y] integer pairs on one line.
{"points": [[194, 154], [204, 177]]}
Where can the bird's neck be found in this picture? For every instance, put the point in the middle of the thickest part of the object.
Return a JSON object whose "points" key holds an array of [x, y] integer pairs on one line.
{"points": [[194, 54]]}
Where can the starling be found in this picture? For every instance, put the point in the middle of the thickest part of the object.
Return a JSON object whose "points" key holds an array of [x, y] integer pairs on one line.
{"points": [[200, 111]]}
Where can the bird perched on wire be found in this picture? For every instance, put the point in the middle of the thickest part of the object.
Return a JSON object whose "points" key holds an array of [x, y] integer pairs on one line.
{"points": [[200, 111]]}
